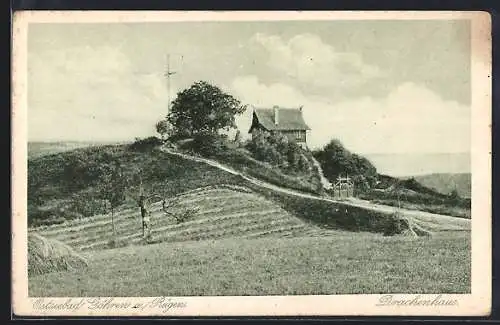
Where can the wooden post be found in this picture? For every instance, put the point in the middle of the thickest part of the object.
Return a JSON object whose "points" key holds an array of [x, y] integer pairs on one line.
{"points": [[113, 221]]}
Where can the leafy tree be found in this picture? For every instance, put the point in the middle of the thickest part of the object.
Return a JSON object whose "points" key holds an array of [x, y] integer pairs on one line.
{"points": [[203, 108], [113, 186], [164, 129], [258, 146], [278, 150], [336, 160]]}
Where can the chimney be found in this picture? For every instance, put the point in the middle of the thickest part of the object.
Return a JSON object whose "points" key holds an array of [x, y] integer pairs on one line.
{"points": [[300, 108], [276, 115]]}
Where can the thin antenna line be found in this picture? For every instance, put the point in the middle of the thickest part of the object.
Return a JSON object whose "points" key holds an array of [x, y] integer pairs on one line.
{"points": [[168, 74]]}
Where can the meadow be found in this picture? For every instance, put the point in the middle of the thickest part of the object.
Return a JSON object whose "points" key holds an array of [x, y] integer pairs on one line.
{"points": [[338, 263]]}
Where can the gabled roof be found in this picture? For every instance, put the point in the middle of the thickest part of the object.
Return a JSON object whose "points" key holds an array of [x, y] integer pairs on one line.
{"points": [[288, 119]]}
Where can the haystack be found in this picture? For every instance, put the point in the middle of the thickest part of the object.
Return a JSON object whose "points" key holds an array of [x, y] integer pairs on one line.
{"points": [[410, 229], [48, 255]]}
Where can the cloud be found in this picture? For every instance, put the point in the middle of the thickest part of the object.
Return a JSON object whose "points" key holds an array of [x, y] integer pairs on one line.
{"points": [[96, 93], [411, 118], [307, 59], [91, 92]]}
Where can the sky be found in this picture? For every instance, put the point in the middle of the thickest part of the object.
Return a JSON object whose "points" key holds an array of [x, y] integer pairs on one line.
{"points": [[378, 86]]}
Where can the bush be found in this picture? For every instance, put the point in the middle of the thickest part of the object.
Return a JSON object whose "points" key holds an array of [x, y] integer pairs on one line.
{"points": [[397, 227], [336, 160], [335, 215], [278, 150], [240, 159], [185, 215], [146, 144], [208, 145]]}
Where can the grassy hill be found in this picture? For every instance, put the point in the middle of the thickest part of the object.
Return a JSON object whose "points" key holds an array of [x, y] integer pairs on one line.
{"points": [[62, 188], [446, 183], [410, 193], [224, 211], [41, 148], [243, 239]]}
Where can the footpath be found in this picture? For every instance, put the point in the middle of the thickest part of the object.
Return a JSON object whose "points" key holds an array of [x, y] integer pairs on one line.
{"points": [[426, 220]]}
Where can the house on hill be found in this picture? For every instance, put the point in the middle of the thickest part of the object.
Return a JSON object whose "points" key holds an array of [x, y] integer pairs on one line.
{"points": [[286, 121]]}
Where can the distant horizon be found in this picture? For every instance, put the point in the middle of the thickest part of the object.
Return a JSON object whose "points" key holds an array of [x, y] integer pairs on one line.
{"points": [[396, 164], [357, 152]]}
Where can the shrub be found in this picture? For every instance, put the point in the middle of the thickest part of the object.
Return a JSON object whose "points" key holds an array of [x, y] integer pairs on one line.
{"points": [[335, 215], [278, 150], [208, 145], [185, 215], [146, 144], [164, 129], [336, 160], [396, 227]]}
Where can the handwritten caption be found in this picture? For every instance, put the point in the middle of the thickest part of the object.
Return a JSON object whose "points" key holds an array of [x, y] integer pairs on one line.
{"points": [[107, 304], [418, 300]]}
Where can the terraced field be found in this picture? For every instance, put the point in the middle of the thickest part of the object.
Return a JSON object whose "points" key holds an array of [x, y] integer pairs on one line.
{"points": [[222, 213]]}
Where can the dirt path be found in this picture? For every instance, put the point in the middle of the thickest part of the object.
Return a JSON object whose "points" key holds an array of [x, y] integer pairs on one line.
{"points": [[426, 219], [324, 181]]}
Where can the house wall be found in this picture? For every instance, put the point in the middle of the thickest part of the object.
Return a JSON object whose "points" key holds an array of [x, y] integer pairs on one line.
{"points": [[299, 136]]}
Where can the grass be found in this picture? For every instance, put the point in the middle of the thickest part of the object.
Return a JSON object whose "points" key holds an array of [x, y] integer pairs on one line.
{"points": [[241, 160], [422, 199], [447, 182], [454, 211], [341, 263], [222, 212], [52, 193], [239, 243], [332, 215]]}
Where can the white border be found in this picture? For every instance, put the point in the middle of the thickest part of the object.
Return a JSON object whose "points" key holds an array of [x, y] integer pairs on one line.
{"points": [[475, 304]]}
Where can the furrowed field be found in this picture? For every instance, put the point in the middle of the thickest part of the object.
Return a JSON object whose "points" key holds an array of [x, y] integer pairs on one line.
{"points": [[240, 243]]}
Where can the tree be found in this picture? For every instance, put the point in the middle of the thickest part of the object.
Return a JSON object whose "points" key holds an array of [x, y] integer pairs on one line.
{"points": [[336, 160], [113, 187], [147, 196], [163, 128], [203, 108]]}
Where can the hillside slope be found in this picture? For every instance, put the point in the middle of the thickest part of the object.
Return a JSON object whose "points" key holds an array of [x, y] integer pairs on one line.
{"points": [[222, 212], [40, 148], [353, 214], [446, 183], [54, 197], [63, 186]]}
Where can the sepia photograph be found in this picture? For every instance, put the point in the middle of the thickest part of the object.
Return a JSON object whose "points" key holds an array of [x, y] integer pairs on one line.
{"points": [[177, 163]]}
